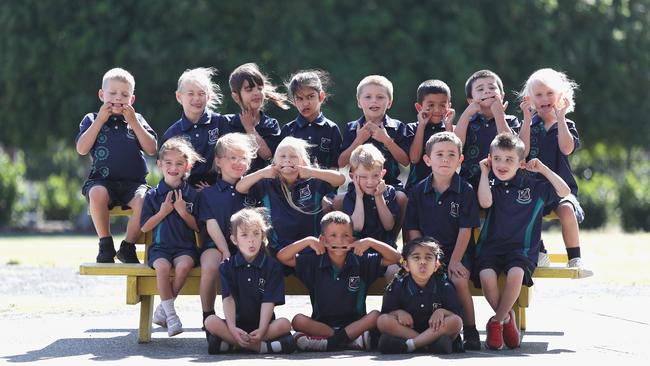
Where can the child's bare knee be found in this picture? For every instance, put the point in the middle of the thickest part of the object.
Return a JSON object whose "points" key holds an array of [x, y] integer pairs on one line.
{"points": [[298, 321], [98, 194]]}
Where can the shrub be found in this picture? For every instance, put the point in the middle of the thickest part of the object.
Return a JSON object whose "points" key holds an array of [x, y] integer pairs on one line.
{"points": [[60, 198], [634, 202], [597, 197], [12, 174]]}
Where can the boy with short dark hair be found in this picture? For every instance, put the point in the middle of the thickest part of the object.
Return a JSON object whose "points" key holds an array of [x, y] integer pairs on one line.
{"points": [[434, 115], [444, 206], [116, 138], [338, 280], [510, 237], [482, 120]]}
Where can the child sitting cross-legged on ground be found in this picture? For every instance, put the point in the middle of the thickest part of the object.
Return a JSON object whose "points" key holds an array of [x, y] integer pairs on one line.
{"points": [[338, 281], [252, 284], [420, 310]]}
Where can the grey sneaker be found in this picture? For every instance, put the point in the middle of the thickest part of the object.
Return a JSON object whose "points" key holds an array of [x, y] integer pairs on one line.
{"points": [[309, 343], [361, 343], [582, 271], [174, 325], [159, 316], [543, 260]]}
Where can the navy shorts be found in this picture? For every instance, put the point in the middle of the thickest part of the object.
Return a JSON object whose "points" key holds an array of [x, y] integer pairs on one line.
{"points": [[119, 192], [155, 252], [502, 264]]}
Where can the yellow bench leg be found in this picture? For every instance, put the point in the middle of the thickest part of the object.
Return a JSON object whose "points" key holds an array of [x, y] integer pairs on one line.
{"points": [[146, 312]]}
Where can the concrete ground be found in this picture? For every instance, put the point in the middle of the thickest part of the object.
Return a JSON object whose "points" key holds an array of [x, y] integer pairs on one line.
{"points": [[568, 322]]}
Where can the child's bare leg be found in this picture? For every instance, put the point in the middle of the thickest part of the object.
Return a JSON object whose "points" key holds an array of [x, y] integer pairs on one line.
{"points": [[277, 328], [570, 231], [465, 298], [210, 260], [490, 287], [388, 324], [402, 201], [451, 327], [182, 267], [163, 267], [219, 328], [510, 293], [133, 226], [98, 200], [307, 325], [367, 322]]}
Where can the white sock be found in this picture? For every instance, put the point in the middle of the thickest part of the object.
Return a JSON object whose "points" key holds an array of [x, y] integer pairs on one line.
{"points": [[264, 348], [410, 345], [168, 306], [276, 346]]}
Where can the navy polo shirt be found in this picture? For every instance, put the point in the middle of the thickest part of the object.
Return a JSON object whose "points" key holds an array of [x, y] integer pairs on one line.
{"points": [[322, 133], [545, 147], [338, 295], [268, 128], [372, 226], [117, 154], [396, 130], [442, 215], [219, 202], [405, 294], [172, 231], [514, 221], [288, 224], [203, 136], [251, 285], [480, 133], [420, 170]]}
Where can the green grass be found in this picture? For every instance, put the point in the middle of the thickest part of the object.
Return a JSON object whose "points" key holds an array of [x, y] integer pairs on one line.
{"points": [[616, 257]]}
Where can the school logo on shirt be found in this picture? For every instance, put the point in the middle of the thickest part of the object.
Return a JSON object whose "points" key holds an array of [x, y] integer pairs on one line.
{"points": [[130, 134], [524, 196], [455, 209], [249, 202], [325, 144], [436, 306], [189, 206], [261, 284], [213, 136], [353, 283], [305, 194]]}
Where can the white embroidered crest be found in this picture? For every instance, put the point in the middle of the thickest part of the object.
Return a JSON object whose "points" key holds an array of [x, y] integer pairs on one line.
{"points": [[524, 196], [455, 209], [353, 283]]}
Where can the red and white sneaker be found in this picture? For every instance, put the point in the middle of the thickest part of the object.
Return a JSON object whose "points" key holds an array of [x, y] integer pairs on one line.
{"points": [[494, 330], [511, 332]]}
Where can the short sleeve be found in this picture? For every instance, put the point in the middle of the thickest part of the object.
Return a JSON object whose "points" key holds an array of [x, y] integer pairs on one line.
{"points": [[391, 201], [391, 300], [469, 216], [226, 279], [450, 298], [85, 124], [335, 149], [306, 265], [371, 267], [148, 207], [349, 135], [412, 218], [274, 289]]}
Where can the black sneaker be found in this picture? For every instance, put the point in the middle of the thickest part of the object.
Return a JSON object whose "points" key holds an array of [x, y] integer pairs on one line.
{"points": [[389, 344], [442, 345], [472, 341], [457, 345], [127, 254], [106, 251], [214, 344], [287, 344]]}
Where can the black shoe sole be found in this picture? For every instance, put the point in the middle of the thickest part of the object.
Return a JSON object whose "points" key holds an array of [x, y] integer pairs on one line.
{"points": [[126, 258], [105, 257]]}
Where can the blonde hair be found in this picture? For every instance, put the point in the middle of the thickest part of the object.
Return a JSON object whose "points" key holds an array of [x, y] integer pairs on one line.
{"points": [[300, 147], [368, 156], [376, 80], [119, 74], [251, 72], [441, 137], [237, 141], [249, 218], [202, 76], [184, 147], [556, 80]]}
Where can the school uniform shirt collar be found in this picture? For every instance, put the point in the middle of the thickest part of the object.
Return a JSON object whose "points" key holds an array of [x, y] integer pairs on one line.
{"points": [[537, 120], [388, 122], [236, 120], [258, 262], [351, 260], [454, 186], [302, 122], [186, 124], [477, 117], [163, 188], [518, 180], [413, 288], [222, 185]]}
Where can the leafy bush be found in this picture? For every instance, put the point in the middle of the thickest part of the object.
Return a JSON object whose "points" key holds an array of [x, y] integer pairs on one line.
{"points": [[60, 198], [634, 201], [12, 173], [597, 198]]}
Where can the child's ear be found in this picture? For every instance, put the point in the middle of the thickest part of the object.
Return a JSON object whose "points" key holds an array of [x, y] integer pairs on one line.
{"points": [[418, 107], [132, 100], [522, 164], [351, 174], [427, 160], [383, 172], [390, 103], [159, 164], [236, 98], [178, 97], [470, 100], [233, 239], [461, 158], [322, 96], [100, 94]]}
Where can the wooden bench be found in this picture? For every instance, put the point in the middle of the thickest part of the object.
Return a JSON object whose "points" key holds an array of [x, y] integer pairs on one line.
{"points": [[141, 284]]}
